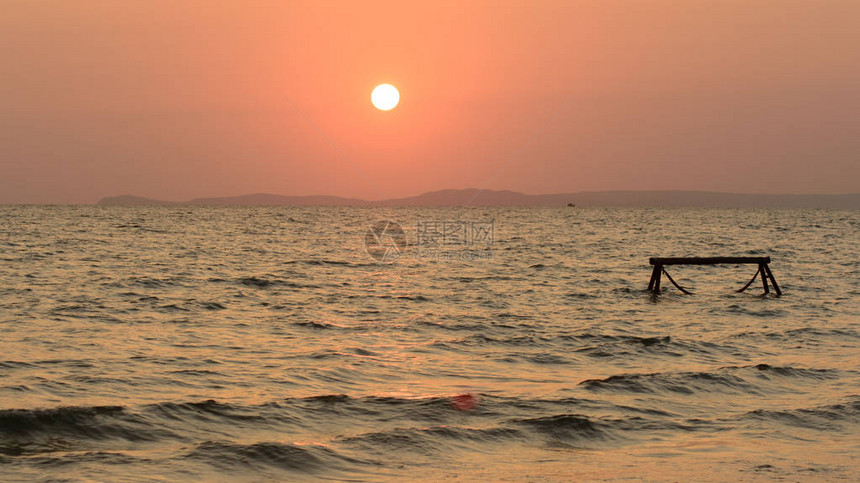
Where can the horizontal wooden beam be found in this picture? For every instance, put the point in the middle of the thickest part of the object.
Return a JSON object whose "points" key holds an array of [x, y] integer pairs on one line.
{"points": [[707, 260]]}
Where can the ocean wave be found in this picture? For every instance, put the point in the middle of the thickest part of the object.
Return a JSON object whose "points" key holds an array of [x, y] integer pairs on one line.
{"points": [[15, 364], [589, 431], [427, 409], [832, 417], [566, 427], [530, 340], [421, 425], [152, 282], [77, 423], [602, 346], [733, 379], [802, 334], [206, 410], [271, 281], [235, 457], [321, 262], [426, 440], [595, 345], [315, 325], [61, 459]]}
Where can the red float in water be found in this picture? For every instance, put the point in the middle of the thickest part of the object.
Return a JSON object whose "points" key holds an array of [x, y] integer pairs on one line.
{"points": [[464, 402]]}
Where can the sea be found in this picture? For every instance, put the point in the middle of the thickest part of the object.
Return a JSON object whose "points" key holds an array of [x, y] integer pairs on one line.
{"points": [[195, 343]]}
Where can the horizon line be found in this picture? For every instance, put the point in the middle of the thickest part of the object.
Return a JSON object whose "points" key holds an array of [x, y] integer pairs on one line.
{"points": [[480, 190]]}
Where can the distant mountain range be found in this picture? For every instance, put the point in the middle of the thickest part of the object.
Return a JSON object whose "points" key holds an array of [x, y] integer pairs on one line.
{"points": [[476, 197]]}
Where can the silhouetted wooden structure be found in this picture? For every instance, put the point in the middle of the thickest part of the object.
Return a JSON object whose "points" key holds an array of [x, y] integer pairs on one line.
{"points": [[762, 262]]}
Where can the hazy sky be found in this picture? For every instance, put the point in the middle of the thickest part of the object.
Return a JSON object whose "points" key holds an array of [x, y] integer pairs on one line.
{"points": [[183, 99]]}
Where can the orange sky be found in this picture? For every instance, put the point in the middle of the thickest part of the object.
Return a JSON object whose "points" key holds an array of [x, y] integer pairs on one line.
{"points": [[184, 99]]}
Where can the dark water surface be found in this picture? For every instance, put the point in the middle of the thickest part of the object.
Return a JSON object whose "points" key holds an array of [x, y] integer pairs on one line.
{"points": [[206, 343]]}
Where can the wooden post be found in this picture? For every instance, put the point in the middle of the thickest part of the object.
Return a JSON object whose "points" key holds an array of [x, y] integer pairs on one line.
{"points": [[654, 275], [761, 270], [772, 280]]}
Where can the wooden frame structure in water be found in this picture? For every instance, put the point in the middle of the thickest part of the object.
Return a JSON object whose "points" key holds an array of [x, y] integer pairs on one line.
{"points": [[762, 262]]}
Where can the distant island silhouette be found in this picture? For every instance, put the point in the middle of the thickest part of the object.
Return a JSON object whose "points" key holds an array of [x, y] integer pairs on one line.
{"points": [[476, 197]]}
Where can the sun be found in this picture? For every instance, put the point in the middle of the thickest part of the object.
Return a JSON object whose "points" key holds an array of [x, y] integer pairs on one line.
{"points": [[385, 97]]}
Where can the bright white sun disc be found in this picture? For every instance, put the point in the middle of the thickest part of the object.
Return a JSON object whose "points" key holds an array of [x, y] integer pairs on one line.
{"points": [[385, 97]]}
